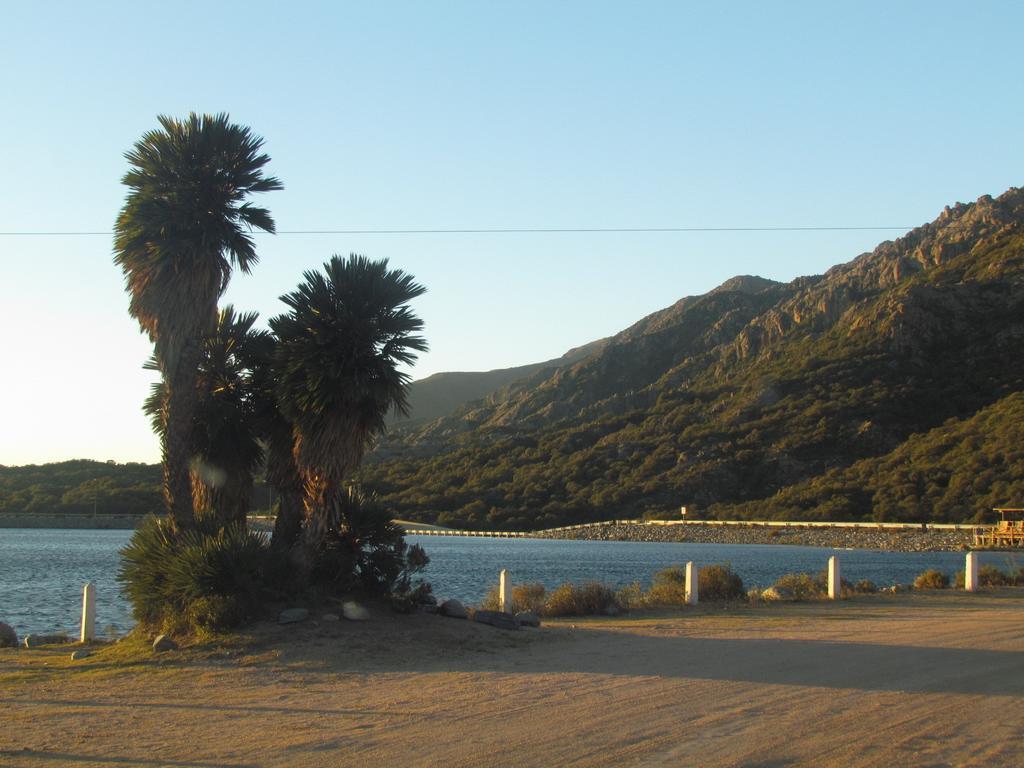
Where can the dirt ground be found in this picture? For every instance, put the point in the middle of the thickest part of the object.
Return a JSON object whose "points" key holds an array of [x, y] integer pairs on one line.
{"points": [[905, 680]]}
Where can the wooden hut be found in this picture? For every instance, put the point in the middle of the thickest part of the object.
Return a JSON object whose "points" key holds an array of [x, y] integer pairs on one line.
{"points": [[1007, 533]]}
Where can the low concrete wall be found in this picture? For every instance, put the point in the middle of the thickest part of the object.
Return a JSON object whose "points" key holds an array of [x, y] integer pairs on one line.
{"points": [[50, 520]]}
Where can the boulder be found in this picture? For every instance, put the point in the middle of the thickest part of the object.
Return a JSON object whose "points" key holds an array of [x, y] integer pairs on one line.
{"points": [[528, 619], [353, 611], [453, 609], [292, 615], [498, 619], [81, 653], [164, 643], [8, 637]]}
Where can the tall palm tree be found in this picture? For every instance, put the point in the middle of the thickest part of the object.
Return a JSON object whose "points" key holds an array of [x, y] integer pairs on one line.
{"points": [[277, 436], [185, 223], [338, 357], [224, 441]]}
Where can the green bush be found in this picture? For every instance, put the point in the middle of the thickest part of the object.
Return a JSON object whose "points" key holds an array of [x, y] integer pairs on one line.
{"points": [[368, 553], [719, 582], [589, 599], [197, 581], [931, 579]]}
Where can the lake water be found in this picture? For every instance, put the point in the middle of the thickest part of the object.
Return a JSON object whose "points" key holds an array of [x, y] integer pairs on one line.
{"points": [[42, 570]]}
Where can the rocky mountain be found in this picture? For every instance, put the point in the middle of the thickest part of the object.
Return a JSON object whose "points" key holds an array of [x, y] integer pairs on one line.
{"points": [[725, 400], [443, 393]]}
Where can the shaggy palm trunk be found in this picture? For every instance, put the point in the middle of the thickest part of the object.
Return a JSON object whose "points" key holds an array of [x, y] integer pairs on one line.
{"points": [[227, 497], [324, 464], [181, 401], [283, 475], [288, 523]]}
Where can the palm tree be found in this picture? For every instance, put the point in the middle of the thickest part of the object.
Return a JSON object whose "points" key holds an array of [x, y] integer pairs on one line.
{"points": [[338, 357], [277, 437], [185, 223], [224, 440]]}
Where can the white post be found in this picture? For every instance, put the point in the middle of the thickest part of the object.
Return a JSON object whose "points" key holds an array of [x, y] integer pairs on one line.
{"points": [[692, 586], [504, 592], [835, 584], [971, 572], [88, 612]]}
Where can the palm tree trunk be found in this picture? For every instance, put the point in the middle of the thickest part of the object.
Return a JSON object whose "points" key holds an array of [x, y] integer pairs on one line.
{"points": [[181, 404], [288, 524]]}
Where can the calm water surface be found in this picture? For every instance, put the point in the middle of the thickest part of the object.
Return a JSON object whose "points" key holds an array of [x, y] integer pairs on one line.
{"points": [[42, 570]]}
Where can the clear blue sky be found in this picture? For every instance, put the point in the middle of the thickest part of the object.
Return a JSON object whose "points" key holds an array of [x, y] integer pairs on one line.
{"points": [[477, 115]]}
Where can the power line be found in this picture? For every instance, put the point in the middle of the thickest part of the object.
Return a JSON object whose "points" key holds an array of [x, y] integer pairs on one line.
{"points": [[507, 231]]}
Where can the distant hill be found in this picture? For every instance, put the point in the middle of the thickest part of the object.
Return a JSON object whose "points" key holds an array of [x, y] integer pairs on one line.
{"points": [[441, 394], [753, 392]]}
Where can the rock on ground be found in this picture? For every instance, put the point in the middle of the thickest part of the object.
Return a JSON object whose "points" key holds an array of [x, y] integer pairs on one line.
{"points": [[81, 653], [528, 618], [164, 643], [292, 615], [498, 619], [353, 611], [453, 609], [8, 637]]}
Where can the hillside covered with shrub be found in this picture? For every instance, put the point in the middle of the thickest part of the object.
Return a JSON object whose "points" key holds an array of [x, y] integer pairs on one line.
{"points": [[887, 388]]}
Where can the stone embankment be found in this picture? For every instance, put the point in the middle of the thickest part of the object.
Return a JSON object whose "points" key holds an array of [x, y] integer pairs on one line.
{"points": [[896, 540]]}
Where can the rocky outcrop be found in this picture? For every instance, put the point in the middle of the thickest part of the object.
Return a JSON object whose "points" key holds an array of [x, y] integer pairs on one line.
{"points": [[8, 637]]}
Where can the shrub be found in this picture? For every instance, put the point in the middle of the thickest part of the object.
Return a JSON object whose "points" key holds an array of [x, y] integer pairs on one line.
{"points": [[800, 586], [668, 587], [529, 597], [990, 576], [196, 581], [630, 596], [367, 552], [865, 586], [589, 599], [719, 582], [931, 579], [525, 597]]}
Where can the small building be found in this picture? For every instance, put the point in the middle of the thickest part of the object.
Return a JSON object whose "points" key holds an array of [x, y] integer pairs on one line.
{"points": [[1007, 533]]}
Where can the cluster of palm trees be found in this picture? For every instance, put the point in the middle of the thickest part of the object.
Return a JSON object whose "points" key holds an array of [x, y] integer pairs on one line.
{"points": [[301, 402]]}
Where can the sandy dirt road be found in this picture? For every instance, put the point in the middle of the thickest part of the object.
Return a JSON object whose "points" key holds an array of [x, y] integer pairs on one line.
{"points": [[921, 680]]}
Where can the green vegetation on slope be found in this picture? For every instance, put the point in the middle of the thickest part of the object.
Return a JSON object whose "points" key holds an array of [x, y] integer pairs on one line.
{"points": [[729, 399]]}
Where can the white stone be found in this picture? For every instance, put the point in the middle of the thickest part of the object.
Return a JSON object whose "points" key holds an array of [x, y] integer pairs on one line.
{"points": [[692, 584], [971, 572], [164, 643], [88, 613], [834, 581], [353, 611]]}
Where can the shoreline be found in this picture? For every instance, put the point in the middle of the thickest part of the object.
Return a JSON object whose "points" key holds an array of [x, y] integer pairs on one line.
{"points": [[823, 535], [891, 538]]}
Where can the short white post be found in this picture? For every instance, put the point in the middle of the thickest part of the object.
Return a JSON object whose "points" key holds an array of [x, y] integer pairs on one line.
{"points": [[971, 572], [504, 592], [88, 612], [835, 584], [692, 585]]}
